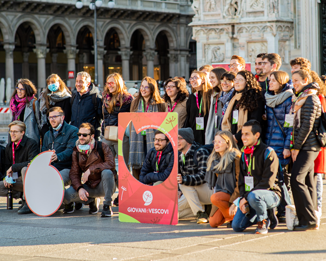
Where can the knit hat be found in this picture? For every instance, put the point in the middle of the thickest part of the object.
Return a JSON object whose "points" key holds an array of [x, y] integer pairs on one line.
{"points": [[187, 134]]}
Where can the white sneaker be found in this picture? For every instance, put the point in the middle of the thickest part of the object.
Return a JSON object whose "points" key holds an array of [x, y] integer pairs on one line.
{"points": [[318, 216]]}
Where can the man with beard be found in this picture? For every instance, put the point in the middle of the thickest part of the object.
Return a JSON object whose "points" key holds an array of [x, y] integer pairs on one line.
{"points": [[271, 63], [260, 76], [159, 161]]}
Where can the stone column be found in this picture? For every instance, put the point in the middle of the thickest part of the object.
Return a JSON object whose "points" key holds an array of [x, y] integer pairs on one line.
{"points": [[150, 55], [125, 57], [173, 63], [9, 48], [71, 52], [183, 61], [54, 58], [25, 65], [100, 73], [41, 52]]}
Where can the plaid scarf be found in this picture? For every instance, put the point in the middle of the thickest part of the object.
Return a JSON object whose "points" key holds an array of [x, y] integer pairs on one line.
{"points": [[17, 105], [225, 99], [137, 154]]}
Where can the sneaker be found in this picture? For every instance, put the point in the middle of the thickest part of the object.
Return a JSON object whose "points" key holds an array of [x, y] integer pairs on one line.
{"points": [[116, 201], [25, 209], [94, 206], [202, 217], [262, 227], [107, 211], [69, 208], [272, 218], [78, 205]]}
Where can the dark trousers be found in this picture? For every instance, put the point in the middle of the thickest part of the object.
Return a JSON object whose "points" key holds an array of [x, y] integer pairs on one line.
{"points": [[303, 184]]}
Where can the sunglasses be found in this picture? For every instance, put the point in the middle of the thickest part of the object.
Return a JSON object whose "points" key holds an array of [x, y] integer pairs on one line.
{"points": [[83, 134]]}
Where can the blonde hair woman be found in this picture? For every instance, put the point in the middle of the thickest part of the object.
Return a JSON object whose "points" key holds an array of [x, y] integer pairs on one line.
{"points": [[115, 99], [56, 94], [148, 100], [198, 105], [223, 168]]}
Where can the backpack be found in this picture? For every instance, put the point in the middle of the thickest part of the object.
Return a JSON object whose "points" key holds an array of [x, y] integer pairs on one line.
{"points": [[321, 130], [99, 150], [208, 149]]}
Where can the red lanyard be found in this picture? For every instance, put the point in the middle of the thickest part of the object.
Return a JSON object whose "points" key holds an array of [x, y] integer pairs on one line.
{"points": [[159, 155], [216, 105], [199, 107], [171, 110], [13, 151], [143, 107]]}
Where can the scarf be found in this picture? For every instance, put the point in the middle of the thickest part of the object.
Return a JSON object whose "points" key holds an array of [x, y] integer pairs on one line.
{"points": [[225, 99], [273, 100], [242, 117], [126, 99], [298, 102], [17, 105], [249, 151], [86, 152], [137, 153]]}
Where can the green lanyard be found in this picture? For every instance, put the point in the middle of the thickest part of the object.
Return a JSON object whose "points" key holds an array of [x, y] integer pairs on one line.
{"points": [[266, 85], [183, 159]]}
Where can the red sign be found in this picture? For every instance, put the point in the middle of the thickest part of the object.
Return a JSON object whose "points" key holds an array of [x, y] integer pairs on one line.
{"points": [[140, 203], [226, 66], [71, 75]]}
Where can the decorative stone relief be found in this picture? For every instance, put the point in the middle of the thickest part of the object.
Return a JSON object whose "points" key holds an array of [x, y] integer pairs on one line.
{"points": [[256, 5], [281, 49], [233, 8], [214, 53], [217, 55], [195, 7], [210, 6], [273, 6], [255, 48]]}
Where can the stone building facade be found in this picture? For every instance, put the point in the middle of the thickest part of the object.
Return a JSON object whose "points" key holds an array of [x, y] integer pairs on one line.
{"points": [[135, 38], [290, 28]]}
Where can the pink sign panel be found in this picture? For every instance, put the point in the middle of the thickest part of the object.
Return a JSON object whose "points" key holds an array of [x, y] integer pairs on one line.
{"points": [[140, 203], [226, 66]]}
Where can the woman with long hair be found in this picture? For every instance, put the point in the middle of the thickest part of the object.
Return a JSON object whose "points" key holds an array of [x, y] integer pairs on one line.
{"points": [[215, 110], [148, 100], [278, 133], [176, 96], [227, 88], [246, 104], [56, 94], [24, 106], [306, 111], [223, 168], [115, 99], [198, 105]]}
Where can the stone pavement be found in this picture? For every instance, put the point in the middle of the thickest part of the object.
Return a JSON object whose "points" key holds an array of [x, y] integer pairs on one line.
{"points": [[80, 236]]}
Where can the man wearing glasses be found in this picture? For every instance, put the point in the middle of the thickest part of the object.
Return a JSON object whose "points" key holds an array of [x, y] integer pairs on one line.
{"points": [[237, 64], [18, 154], [91, 173], [61, 139], [159, 161]]}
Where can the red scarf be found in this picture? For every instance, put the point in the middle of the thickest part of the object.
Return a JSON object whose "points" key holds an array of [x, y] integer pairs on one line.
{"points": [[17, 105]]}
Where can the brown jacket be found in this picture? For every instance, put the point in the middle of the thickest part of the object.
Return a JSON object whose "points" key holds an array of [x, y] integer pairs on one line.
{"points": [[94, 163]]}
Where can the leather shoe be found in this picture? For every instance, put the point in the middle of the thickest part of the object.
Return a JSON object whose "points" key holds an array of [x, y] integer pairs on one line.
{"points": [[304, 227]]}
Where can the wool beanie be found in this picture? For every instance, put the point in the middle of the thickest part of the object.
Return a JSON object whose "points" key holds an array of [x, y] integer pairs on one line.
{"points": [[187, 134]]}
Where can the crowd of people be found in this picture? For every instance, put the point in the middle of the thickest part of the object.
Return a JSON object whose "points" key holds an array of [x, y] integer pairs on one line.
{"points": [[247, 142]]}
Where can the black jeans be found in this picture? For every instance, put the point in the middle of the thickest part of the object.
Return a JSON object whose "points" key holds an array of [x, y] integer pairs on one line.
{"points": [[303, 184]]}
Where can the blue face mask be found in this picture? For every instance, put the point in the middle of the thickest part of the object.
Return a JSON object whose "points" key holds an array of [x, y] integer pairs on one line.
{"points": [[58, 127], [53, 87], [84, 147]]}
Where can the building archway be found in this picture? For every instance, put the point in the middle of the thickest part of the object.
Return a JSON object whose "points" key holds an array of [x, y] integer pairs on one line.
{"points": [[138, 68], [161, 61], [112, 61]]}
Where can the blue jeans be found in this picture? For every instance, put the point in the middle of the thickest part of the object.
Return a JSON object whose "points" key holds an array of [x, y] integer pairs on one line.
{"points": [[259, 202]]}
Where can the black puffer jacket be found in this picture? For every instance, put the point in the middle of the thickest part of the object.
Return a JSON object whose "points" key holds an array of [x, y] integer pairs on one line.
{"points": [[304, 138]]}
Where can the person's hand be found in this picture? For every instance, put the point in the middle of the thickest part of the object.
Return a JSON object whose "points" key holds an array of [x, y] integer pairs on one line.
{"points": [[286, 153], [54, 157], [179, 178], [232, 210], [294, 154], [85, 176], [242, 206], [179, 194], [6, 184], [9, 172], [83, 194], [236, 141]]}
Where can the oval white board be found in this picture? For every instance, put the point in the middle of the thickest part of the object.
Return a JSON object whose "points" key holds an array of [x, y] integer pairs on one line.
{"points": [[43, 186]]}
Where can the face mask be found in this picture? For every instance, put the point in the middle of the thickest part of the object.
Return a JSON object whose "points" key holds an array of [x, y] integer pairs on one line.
{"points": [[53, 87], [84, 147], [58, 127]]}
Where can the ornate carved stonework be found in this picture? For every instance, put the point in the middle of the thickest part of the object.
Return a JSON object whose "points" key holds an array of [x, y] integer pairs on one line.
{"points": [[125, 54], [255, 48], [41, 52], [256, 4], [214, 53], [233, 8], [210, 6], [9, 48], [195, 7], [274, 6], [150, 55], [71, 52]]}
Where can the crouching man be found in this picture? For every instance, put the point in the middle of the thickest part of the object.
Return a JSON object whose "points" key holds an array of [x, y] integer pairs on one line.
{"points": [[91, 173], [159, 161]]}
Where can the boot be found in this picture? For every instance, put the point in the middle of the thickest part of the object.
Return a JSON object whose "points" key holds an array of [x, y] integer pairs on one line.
{"points": [[25, 209]]}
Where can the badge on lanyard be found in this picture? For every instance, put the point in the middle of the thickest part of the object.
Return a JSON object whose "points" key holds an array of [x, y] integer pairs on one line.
{"points": [[235, 117], [249, 183], [288, 122], [216, 118], [199, 123]]}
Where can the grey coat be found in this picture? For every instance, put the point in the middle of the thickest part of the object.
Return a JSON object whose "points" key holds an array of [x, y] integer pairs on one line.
{"points": [[210, 128]]}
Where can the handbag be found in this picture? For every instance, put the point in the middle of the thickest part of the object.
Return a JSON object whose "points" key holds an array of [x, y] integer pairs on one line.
{"points": [[110, 132], [321, 130], [279, 124]]}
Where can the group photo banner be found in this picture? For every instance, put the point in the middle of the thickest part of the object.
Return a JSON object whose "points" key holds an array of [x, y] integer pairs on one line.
{"points": [[140, 203]]}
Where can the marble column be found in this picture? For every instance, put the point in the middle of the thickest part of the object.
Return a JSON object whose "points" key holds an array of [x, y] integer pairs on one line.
{"points": [[9, 48], [150, 55], [41, 52], [25, 65], [173, 63], [183, 62], [125, 57], [71, 52], [100, 73]]}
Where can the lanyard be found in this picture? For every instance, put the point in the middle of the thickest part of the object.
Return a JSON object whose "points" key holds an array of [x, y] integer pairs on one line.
{"points": [[251, 155], [183, 158], [216, 105], [13, 151], [201, 101], [266, 83], [143, 106], [293, 103], [159, 156], [171, 110]]}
